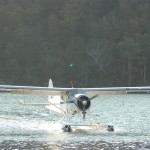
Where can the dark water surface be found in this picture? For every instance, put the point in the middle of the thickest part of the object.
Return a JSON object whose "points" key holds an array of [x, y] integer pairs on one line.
{"points": [[28, 127], [9, 145]]}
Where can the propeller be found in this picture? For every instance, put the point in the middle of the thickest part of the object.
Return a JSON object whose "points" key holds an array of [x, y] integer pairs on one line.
{"points": [[84, 109], [83, 102]]}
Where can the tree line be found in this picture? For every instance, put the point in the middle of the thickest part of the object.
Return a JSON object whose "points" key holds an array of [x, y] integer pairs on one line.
{"points": [[91, 43]]}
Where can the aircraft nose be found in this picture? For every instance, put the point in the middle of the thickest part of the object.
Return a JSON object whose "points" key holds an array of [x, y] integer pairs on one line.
{"points": [[84, 103]]}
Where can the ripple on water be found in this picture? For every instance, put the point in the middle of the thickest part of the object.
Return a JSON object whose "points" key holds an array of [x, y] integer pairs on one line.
{"points": [[28, 126], [88, 145]]}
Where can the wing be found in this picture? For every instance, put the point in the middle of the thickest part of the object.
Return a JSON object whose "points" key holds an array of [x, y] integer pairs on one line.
{"points": [[32, 90], [65, 91], [116, 90]]}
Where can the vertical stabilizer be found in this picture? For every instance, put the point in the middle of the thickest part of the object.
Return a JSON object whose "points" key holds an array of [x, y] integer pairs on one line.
{"points": [[50, 84], [53, 100]]}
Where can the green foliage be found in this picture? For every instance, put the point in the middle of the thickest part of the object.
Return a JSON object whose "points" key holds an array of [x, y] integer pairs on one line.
{"points": [[88, 42]]}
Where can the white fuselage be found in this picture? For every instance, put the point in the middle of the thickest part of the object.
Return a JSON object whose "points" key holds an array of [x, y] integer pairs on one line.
{"points": [[59, 105]]}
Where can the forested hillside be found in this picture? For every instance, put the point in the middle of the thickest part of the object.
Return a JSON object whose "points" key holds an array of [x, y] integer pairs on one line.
{"points": [[93, 43]]}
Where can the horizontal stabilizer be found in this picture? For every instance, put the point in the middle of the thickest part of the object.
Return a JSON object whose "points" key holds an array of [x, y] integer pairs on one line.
{"points": [[33, 104]]}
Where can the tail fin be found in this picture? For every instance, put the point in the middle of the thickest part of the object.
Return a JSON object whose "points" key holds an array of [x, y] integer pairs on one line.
{"points": [[50, 83], [53, 99]]}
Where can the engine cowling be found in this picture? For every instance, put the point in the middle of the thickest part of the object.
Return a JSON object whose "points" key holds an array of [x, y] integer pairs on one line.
{"points": [[82, 102]]}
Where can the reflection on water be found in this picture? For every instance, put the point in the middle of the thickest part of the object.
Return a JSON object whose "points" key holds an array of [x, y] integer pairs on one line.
{"points": [[28, 127], [100, 145]]}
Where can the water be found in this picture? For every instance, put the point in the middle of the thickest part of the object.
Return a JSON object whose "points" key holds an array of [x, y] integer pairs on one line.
{"points": [[28, 127]]}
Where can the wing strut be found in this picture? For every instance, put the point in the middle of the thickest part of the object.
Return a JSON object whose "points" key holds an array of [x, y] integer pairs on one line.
{"points": [[50, 103], [100, 101]]}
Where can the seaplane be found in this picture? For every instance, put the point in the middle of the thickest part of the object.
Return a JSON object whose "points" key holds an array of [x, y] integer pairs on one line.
{"points": [[72, 102]]}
